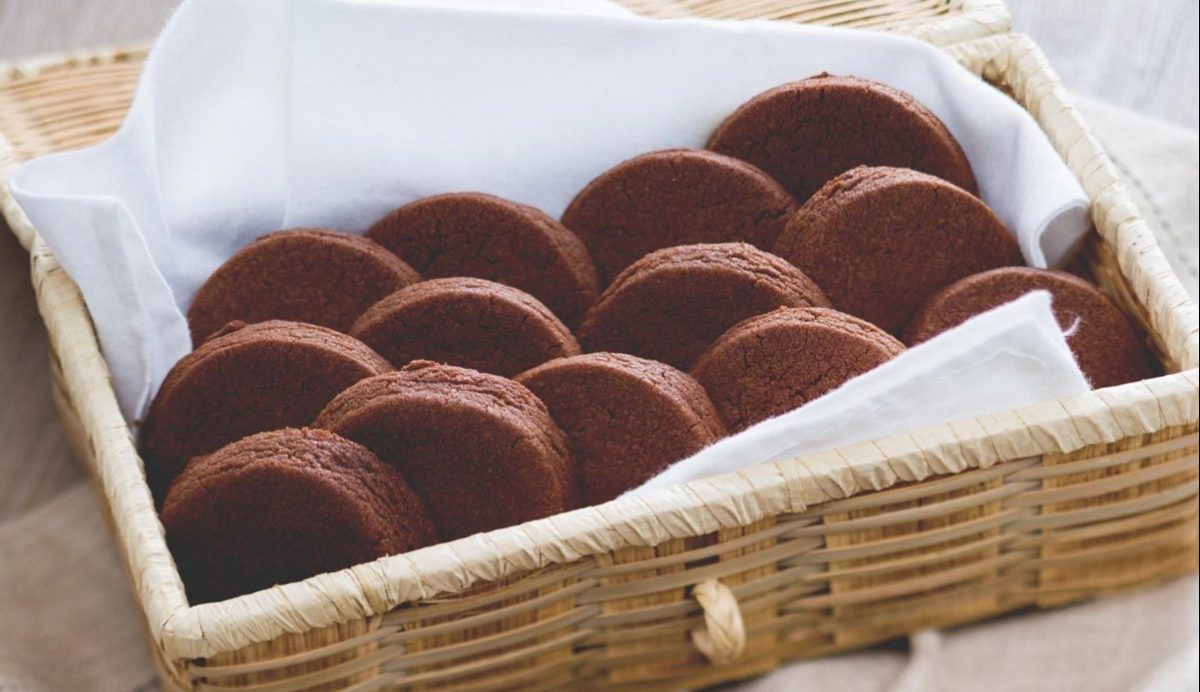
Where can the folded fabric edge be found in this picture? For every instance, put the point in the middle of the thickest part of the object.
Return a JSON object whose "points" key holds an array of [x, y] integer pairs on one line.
{"points": [[140, 306], [1031, 313]]}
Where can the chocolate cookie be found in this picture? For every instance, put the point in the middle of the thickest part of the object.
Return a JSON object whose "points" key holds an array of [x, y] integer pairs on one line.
{"points": [[671, 304], [286, 505], [675, 197], [878, 241], [773, 363], [479, 449], [473, 234], [626, 418], [247, 379], [1104, 341], [308, 275], [473, 323], [805, 133]]}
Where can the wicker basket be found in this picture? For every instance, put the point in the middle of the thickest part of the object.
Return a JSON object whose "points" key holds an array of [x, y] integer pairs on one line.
{"points": [[718, 579]]}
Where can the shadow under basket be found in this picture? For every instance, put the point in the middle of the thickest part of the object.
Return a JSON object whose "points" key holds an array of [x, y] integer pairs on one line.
{"points": [[715, 580]]}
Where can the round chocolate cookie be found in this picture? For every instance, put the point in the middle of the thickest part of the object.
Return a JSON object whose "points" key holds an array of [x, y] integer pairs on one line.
{"points": [[805, 133], [307, 275], [671, 304], [773, 363], [479, 449], [246, 379], [878, 241], [473, 234], [473, 323], [1104, 341], [282, 506], [675, 197], [626, 418]]}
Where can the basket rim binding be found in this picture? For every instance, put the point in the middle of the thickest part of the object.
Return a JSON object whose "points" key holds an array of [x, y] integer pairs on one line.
{"points": [[963, 20], [184, 632]]}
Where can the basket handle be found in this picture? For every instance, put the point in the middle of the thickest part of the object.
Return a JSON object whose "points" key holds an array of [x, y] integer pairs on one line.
{"points": [[723, 638]]}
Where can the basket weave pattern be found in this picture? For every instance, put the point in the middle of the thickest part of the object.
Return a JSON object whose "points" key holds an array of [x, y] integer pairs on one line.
{"points": [[718, 579]]}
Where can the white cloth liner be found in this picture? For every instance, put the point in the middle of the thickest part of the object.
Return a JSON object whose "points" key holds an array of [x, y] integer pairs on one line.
{"points": [[1011, 356], [281, 113]]}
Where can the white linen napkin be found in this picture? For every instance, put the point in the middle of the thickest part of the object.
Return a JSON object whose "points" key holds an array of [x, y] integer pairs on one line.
{"points": [[1010, 356], [278, 113]]}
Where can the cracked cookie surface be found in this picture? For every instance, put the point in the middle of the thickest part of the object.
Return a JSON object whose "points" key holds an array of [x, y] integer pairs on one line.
{"points": [[671, 304], [472, 323], [247, 379], [480, 450], [880, 240], [285, 505], [625, 418], [675, 197], [773, 363], [304, 275], [1105, 342], [483, 236], [805, 133]]}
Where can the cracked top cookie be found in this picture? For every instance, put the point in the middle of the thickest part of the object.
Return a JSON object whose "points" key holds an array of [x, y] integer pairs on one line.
{"points": [[306, 275], [773, 363], [473, 234], [671, 304], [1105, 343], [805, 133], [480, 450], [625, 418], [247, 379], [472, 323], [282, 506], [675, 197], [880, 240]]}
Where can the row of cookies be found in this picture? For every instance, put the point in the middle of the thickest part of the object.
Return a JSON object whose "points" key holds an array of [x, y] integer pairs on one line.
{"points": [[773, 152], [464, 451], [875, 242]]}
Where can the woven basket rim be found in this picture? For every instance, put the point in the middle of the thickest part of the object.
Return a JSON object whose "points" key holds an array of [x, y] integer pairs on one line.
{"points": [[790, 486], [974, 19], [964, 20], [682, 511], [971, 20]]}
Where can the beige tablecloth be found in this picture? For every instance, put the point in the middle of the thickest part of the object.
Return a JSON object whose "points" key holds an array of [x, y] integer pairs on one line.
{"points": [[69, 622]]}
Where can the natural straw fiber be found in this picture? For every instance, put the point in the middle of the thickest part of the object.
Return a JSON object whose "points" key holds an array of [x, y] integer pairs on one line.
{"points": [[723, 638], [717, 579], [940, 22]]}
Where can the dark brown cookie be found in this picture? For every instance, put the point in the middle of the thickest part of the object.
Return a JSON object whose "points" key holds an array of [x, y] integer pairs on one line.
{"points": [[473, 234], [479, 449], [675, 197], [805, 133], [626, 418], [286, 505], [879, 241], [671, 304], [1103, 339], [472, 323], [306, 275], [248, 379], [773, 363]]}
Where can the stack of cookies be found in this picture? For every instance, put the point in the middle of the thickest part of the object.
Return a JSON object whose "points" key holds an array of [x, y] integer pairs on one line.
{"points": [[472, 363]]}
